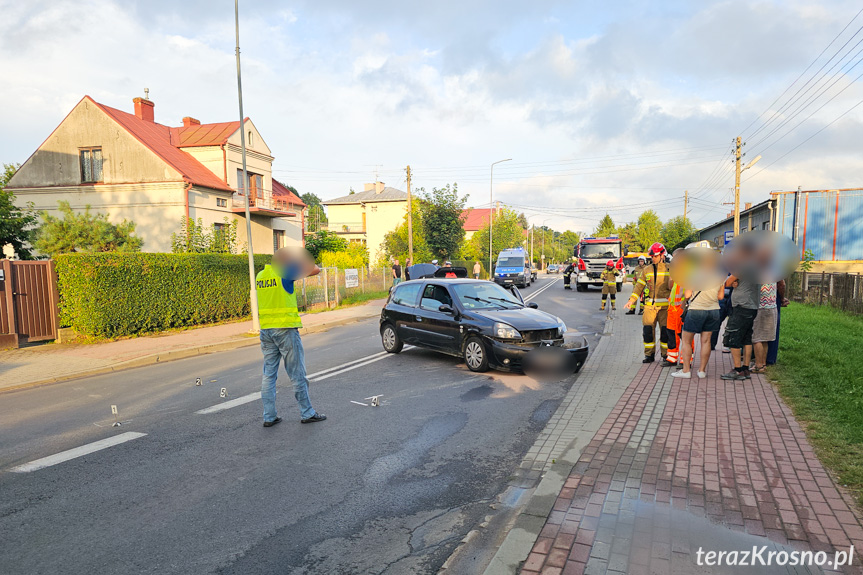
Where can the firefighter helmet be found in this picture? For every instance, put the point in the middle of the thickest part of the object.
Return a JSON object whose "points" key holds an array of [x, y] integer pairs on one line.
{"points": [[609, 264], [656, 249], [642, 259]]}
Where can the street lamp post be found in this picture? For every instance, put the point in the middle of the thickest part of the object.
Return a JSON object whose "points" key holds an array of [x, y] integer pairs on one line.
{"points": [[491, 214], [253, 293], [543, 239]]}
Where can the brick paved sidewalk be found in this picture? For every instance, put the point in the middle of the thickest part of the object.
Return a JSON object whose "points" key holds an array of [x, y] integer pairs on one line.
{"points": [[55, 362], [680, 465]]}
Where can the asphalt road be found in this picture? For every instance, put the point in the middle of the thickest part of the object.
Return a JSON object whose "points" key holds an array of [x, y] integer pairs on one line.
{"points": [[371, 490]]}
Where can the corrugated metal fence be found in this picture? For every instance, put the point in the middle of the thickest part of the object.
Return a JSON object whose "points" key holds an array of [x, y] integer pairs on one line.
{"points": [[333, 285], [840, 290], [827, 222]]}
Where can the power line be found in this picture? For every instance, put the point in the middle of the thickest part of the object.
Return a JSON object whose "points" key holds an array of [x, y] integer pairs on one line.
{"points": [[804, 71], [806, 140]]}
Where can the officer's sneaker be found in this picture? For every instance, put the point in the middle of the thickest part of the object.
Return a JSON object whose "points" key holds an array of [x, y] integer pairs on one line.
{"points": [[666, 363], [734, 374]]}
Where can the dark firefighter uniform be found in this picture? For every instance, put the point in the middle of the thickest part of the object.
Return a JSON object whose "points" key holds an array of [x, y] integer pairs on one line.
{"points": [[567, 274], [654, 283]]}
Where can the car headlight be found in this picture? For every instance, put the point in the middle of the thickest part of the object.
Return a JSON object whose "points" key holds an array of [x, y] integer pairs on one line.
{"points": [[505, 331], [561, 327]]}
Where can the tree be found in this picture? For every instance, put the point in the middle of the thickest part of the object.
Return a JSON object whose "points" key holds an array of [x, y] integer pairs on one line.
{"points": [[522, 219], [442, 222], [605, 227], [395, 244], [316, 216], [629, 236], [84, 232], [649, 229], [508, 233], [324, 241], [678, 232], [16, 224], [194, 237]]}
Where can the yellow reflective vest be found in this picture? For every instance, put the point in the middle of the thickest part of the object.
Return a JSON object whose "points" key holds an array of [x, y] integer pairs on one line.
{"points": [[654, 284], [276, 307]]}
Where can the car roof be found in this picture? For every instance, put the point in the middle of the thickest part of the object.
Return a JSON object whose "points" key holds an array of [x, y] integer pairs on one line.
{"points": [[447, 280]]}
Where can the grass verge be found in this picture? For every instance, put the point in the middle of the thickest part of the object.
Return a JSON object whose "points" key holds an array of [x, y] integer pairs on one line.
{"points": [[819, 376]]}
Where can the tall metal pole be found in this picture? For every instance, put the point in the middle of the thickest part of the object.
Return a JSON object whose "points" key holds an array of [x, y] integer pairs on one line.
{"points": [[253, 293], [737, 190], [410, 221], [491, 214]]}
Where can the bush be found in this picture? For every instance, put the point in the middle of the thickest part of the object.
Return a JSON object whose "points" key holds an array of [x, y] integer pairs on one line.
{"points": [[341, 260], [117, 294]]}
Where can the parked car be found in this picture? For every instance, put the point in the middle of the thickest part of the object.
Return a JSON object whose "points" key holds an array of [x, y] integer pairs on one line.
{"points": [[533, 272], [480, 321], [552, 269]]}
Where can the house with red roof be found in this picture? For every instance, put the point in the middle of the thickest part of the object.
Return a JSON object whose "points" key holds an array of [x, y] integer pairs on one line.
{"points": [[131, 167], [474, 220]]}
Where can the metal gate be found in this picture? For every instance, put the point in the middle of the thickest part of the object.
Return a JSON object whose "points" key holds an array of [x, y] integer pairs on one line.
{"points": [[28, 302]]}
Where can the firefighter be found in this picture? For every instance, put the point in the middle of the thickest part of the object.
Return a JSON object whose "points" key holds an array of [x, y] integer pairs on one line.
{"points": [[609, 284], [570, 269], [657, 279], [636, 274]]}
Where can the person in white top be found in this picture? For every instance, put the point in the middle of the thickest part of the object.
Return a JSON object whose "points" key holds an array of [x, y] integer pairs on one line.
{"points": [[702, 317]]}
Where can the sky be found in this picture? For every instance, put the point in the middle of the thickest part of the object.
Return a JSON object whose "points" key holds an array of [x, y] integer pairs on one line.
{"points": [[601, 106]]}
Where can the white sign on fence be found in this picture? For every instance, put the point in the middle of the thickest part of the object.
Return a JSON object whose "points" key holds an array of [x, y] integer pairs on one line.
{"points": [[352, 278]]}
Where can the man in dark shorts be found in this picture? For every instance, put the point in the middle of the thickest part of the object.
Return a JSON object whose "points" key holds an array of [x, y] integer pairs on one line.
{"points": [[738, 331]]}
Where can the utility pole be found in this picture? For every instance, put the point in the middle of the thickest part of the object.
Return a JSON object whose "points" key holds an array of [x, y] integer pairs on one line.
{"points": [[531, 244], [410, 220], [737, 189], [253, 292], [685, 203]]}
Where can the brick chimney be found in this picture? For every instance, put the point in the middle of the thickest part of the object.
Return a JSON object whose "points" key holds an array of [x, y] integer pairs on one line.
{"points": [[747, 206], [190, 121], [144, 109], [378, 187]]}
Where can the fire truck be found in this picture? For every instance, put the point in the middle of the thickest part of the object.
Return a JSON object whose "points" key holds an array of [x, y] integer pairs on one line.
{"points": [[592, 255]]}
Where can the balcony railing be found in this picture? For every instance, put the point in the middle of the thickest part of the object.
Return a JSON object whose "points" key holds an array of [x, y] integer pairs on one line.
{"points": [[265, 203]]}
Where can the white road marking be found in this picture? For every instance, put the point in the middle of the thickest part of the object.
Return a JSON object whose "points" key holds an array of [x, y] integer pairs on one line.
{"points": [[540, 290], [314, 377], [77, 452], [229, 404]]}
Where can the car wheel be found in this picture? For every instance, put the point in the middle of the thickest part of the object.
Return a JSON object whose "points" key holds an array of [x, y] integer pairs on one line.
{"points": [[579, 287], [390, 339], [475, 355]]}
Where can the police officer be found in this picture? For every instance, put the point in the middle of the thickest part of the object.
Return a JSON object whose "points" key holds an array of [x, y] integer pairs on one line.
{"points": [[637, 273], [609, 284], [280, 335], [657, 280]]}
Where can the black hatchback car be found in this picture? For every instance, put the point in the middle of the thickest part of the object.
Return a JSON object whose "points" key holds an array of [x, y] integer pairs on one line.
{"points": [[480, 321]]}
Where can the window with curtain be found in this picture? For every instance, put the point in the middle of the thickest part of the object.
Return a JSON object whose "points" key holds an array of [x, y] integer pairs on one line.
{"points": [[91, 165]]}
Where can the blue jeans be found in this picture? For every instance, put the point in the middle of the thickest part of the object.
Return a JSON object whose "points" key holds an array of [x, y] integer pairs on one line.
{"points": [[277, 343]]}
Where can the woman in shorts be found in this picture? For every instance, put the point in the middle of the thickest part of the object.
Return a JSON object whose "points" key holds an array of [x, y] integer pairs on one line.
{"points": [[703, 317]]}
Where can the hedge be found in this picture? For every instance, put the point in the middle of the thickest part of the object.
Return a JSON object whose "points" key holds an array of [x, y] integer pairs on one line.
{"points": [[117, 294]]}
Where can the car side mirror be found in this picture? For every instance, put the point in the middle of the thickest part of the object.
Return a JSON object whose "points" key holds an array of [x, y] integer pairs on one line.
{"points": [[444, 308], [533, 305]]}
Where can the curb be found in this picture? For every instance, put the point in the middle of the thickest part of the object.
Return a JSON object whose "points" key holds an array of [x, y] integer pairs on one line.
{"points": [[528, 524], [164, 357]]}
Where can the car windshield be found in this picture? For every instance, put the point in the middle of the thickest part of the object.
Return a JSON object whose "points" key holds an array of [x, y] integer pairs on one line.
{"points": [[484, 295], [590, 251], [510, 262]]}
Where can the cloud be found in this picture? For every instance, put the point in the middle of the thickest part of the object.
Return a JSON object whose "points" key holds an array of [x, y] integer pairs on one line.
{"points": [[338, 87]]}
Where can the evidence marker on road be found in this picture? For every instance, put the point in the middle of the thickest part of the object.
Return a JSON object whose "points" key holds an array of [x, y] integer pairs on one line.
{"points": [[223, 393], [198, 382], [116, 414]]}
